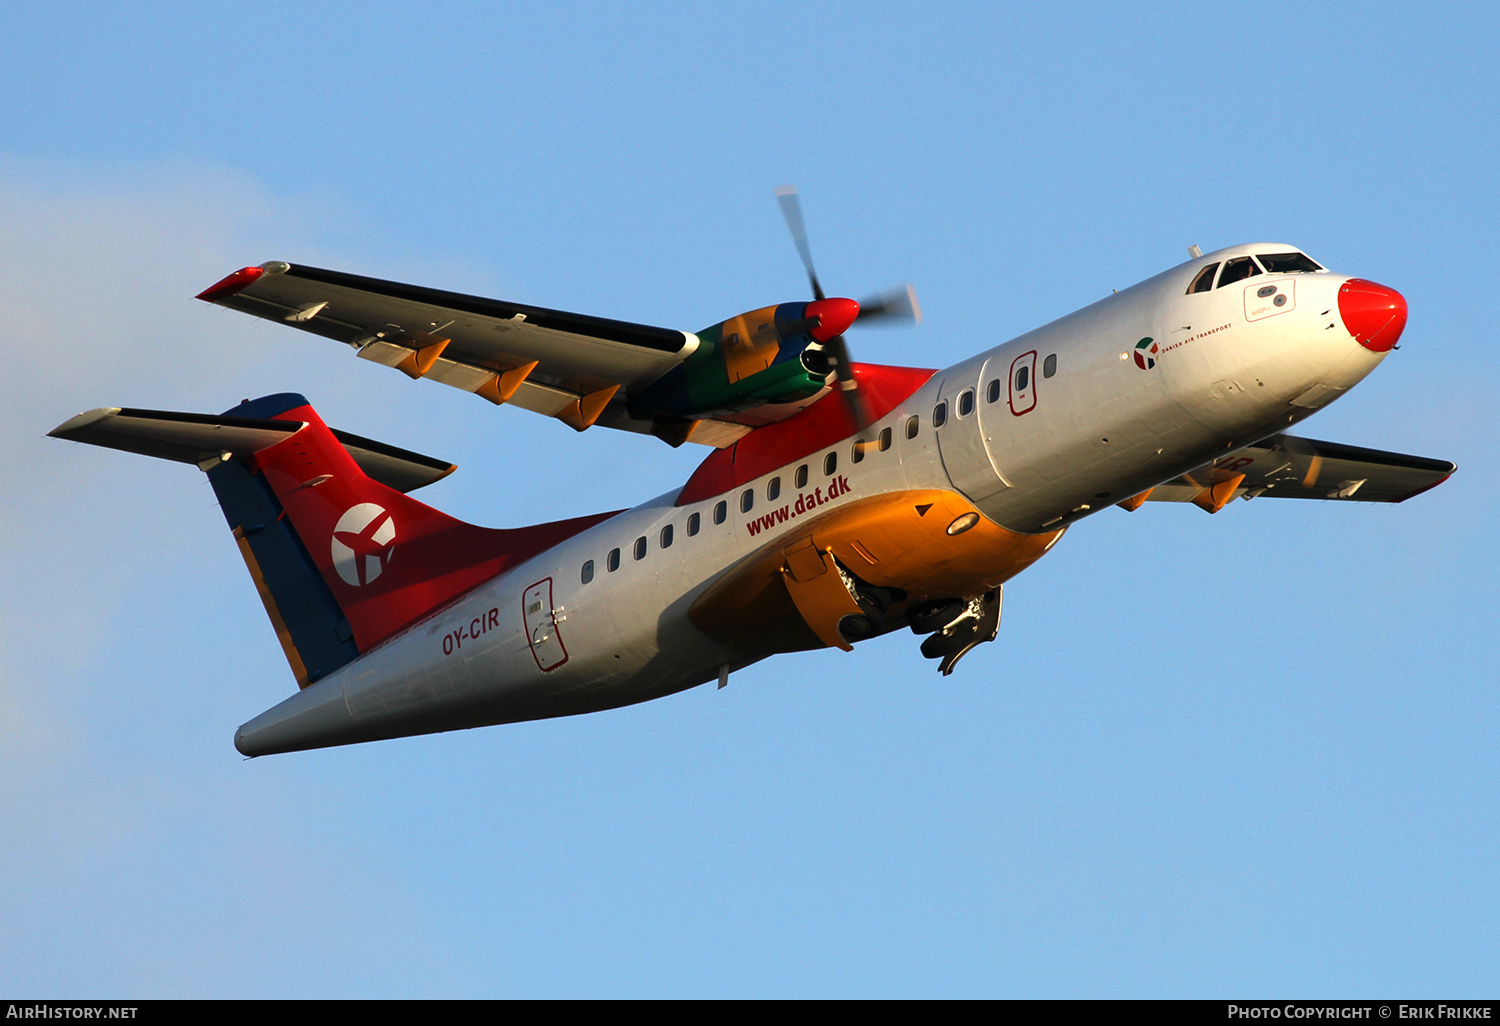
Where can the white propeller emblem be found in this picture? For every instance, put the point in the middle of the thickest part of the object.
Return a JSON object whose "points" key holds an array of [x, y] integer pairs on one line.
{"points": [[363, 543]]}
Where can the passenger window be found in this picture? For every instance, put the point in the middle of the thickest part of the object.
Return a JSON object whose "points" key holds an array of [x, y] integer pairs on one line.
{"points": [[666, 537], [1238, 269], [721, 511], [747, 500], [1204, 282], [801, 477], [992, 391], [773, 489], [588, 571], [640, 547], [939, 415], [912, 425], [885, 439], [1049, 366], [612, 561], [694, 522], [966, 403], [1023, 378], [830, 464]]}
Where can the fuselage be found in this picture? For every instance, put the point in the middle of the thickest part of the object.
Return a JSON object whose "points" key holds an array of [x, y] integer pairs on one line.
{"points": [[1034, 434]]}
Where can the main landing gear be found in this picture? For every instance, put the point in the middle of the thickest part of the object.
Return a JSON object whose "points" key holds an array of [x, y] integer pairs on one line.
{"points": [[873, 602], [955, 627]]}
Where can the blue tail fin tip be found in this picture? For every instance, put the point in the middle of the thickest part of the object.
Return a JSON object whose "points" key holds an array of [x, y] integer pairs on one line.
{"points": [[267, 406]]}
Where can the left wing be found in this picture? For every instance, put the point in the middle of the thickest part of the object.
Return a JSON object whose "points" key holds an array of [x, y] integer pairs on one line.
{"points": [[1290, 467], [577, 368]]}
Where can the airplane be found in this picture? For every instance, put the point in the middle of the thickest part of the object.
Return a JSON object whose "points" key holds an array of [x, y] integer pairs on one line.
{"points": [[840, 501]]}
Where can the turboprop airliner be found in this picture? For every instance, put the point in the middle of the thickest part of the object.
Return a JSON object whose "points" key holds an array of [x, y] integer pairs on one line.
{"points": [[840, 501]]}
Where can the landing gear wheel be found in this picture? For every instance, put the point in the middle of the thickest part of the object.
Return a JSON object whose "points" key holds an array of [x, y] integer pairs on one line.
{"points": [[857, 628], [940, 645], [881, 599], [935, 615]]}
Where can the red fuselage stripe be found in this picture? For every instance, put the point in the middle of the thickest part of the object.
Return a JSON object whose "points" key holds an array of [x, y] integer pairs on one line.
{"points": [[822, 424]]}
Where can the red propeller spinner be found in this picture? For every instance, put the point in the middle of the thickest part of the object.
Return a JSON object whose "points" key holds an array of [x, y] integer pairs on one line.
{"points": [[835, 316]]}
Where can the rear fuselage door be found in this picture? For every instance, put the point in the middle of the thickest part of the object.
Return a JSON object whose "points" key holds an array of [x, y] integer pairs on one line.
{"points": [[542, 626]]}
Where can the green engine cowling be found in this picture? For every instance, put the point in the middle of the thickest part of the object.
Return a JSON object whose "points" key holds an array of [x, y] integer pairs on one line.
{"points": [[771, 355]]}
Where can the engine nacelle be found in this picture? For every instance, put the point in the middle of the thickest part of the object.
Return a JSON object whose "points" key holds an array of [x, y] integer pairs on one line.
{"points": [[771, 355]]}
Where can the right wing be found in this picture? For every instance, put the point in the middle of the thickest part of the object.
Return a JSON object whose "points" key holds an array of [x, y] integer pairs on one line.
{"points": [[1290, 467]]}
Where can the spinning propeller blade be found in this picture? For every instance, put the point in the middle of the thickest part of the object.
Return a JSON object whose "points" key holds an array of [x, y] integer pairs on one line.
{"points": [[893, 306], [791, 209]]}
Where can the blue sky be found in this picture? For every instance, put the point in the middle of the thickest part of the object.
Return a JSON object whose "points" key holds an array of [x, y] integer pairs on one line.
{"points": [[1252, 753]]}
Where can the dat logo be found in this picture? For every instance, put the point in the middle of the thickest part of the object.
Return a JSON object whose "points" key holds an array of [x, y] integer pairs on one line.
{"points": [[363, 543], [1146, 351]]}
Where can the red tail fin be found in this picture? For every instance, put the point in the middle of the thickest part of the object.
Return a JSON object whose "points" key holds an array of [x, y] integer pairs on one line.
{"points": [[388, 559]]}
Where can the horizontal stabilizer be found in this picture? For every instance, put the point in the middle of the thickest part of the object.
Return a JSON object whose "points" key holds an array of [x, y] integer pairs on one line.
{"points": [[1304, 468], [203, 439]]}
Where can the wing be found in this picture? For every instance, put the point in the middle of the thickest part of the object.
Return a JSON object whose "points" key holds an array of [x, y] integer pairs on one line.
{"points": [[577, 368], [1303, 468]]}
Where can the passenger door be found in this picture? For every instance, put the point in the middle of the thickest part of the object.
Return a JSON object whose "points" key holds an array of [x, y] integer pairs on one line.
{"points": [[1023, 384]]}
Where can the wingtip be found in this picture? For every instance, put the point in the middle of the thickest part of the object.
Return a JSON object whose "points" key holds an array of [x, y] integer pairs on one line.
{"points": [[243, 278], [1452, 469], [231, 284], [72, 425]]}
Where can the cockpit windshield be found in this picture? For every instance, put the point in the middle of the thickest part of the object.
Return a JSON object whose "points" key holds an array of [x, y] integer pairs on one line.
{"points": [[1204, 282], [1238, 269], [1288, 263]]}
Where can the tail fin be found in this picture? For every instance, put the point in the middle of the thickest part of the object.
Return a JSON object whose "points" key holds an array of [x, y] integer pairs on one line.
{"points": [[342, 561]]}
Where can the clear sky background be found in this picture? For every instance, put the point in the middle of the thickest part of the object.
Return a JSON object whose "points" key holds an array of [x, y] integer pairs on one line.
{"points": [[1247, 754]]}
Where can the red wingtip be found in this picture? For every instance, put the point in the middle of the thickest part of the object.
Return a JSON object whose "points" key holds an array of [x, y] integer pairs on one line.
{"points": [[833, 316], [1425, 488], [1374, 314], [232, 284]]}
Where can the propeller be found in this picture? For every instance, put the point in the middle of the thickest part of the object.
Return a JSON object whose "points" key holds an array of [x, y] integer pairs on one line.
{"points": [[892, 306], [791, 209]]}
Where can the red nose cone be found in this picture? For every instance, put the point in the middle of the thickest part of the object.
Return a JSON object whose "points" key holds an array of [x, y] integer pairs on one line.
{"points": [[1374, 314], [833, 316]]}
